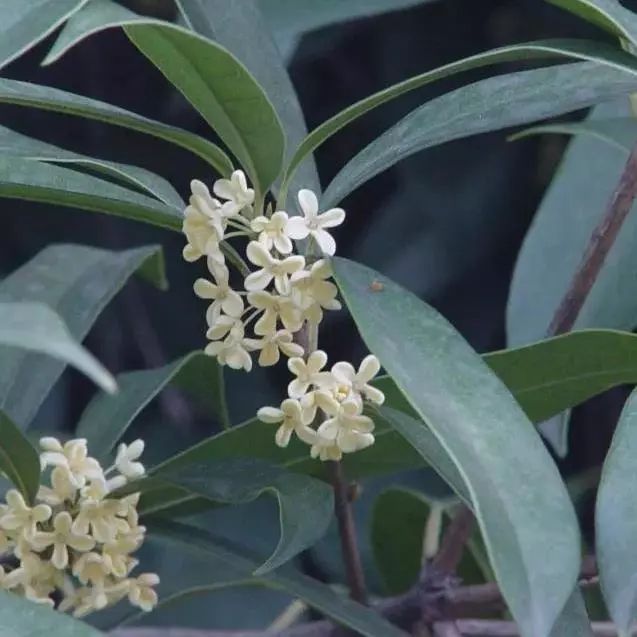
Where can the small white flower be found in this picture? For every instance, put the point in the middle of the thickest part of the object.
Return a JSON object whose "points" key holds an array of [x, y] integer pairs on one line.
{"points": [[358, 381], [62, 488], [314, 224], [270, 346], [293, 419], [223, 297], [315, 291], [73, 456], [325, 449], [203, 225], [235, 190], [125, 460], [141, 593], [20, 517], [271, 268], [348, 428], [233, 350], [308, 373], [273, 232], [276, 308]]}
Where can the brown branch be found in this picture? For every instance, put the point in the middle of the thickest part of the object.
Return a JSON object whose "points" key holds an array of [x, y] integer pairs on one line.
{"points": [[493, 628], [455, 538], [446, 629], [347, 532], [599, 245]]}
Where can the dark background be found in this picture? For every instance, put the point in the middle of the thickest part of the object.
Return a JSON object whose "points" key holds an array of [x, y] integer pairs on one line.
{"points": [[446, 223]]}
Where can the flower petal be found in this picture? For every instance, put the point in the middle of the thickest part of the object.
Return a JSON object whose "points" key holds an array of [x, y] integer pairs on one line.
{"points": [[325, 241], [258, 280], [258, 255], [296, 228], [331, 218], [344, 372], [205, 289], [308, 202], [369, 367], [270, 414]]}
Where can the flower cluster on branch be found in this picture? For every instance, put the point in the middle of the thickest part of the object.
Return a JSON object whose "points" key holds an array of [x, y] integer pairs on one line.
{"points": [[283, 292], [75, 543]]}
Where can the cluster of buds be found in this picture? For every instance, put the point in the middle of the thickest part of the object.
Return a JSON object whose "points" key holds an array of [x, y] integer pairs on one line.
{"points": [[75, 543], [281, 294]]}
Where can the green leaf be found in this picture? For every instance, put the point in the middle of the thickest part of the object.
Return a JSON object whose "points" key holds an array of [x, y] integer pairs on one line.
{"points": [[20, 617], [573, 621], [305, 504], [397, 530], [19, 461], [604, 55], [35, 181], [24, 24], [552, 250], [545, 378], [239, 27], [76, 282], [37, 328], [51, 99], [106, 418], [616, 521], [222, 90], [230, 567], [609, 15], [619, 132], [491, 104], [17, 145], [531, 534]]}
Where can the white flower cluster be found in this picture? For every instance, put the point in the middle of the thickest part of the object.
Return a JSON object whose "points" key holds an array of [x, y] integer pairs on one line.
{"points": [[76, 543], [284, 293]]}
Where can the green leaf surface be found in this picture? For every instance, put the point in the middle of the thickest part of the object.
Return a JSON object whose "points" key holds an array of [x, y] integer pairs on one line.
{"points": [[491, 104], [20, 617], [616, 521], [609, 15], [619, 132], [573, 621], [35, 327], [19, 461], [36, 181], [551, 252], [26, 22], [485, 432], [106, 418], [397, 531], [15, 144], [76, 282], [222, 90], [605, 56], [305, 504], [228, 566], [239, 26], [52, 99], [545, 378]]}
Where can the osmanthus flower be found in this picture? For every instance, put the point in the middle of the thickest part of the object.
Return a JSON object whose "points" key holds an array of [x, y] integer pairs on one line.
{"points": [[309, 373], [278, 270], [235, 190], [272, 345], [233, 349], [275, 308], [314, 224], [350, 380], [223, 297], [203, 225], [293, 419], [75, 543], [273, 231], [315, 291]]}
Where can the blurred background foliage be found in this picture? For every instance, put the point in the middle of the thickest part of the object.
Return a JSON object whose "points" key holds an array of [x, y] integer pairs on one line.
{"points": [[447, 223]]}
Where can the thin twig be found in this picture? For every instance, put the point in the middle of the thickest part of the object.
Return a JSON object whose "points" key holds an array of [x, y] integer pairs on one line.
{"points": [[347, 532], [599, 245], [454, 540], [446, 629], [493, 628]]}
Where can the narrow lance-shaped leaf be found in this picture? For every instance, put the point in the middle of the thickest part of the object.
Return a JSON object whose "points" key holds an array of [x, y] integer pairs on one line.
{"points": [[15, 144], [616, 521], [77, 283], [37, 328], [24, 24], [227, 566], [485, 433], [52, 99], [605, 56], [545, 379], [305, 504], [491, 104], [106, 418], [222, 90], [607, 14], [35, 181], [19, 461], [239, 26]]}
